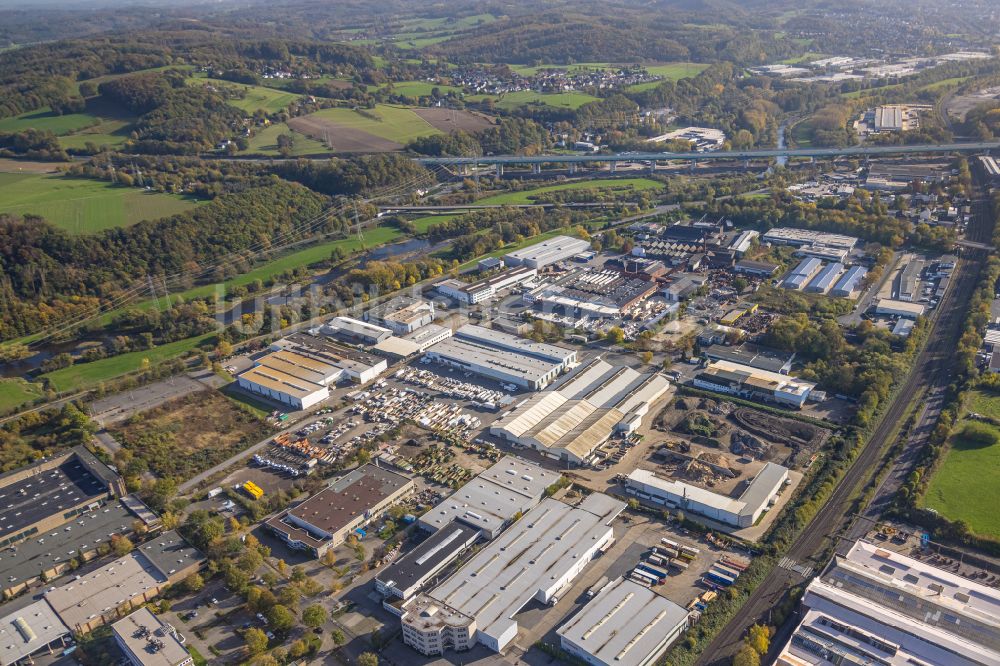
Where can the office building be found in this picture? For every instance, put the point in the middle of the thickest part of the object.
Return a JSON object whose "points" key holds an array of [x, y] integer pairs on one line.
{"points": [[748, 382], [491, 500], [402, 315], [537, 559], [502, 357], [626, 624], [739, 512], [145, 640], [877, 606], [571, 422], [549, 251], [406, 576], [326, 519]]}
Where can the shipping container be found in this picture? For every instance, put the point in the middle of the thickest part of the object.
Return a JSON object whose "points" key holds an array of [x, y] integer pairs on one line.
{"points": [[729, 571], [735, 564], [690, 549], [653, 569], [641, 580], [664, 551], [670, 544], [719, 577], [657, 560], [642, 575]]}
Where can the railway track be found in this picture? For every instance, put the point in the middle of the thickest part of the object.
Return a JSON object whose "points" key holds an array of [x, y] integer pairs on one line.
{"points": [[932, 363]]}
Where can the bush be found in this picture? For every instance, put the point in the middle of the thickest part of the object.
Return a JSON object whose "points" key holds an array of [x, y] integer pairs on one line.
{"points": [[979, 434]]}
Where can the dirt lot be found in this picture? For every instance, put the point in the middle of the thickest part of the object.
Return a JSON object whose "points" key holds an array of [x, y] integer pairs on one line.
{"points": [[341, 139], [448, 120], [707, 427], [185, 436]]}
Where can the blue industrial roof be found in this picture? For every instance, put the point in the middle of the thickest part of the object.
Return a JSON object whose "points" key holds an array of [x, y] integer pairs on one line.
{"points": [[826, 277], [849, 281]]}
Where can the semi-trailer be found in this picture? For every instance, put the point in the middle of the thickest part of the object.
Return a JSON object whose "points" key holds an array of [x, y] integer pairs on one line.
{"points": [[729, 571], [719, 577], [653, 570]]}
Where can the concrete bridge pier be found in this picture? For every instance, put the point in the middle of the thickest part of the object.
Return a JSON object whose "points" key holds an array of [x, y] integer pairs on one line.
{"points": [[536, 168], [499, 170]]}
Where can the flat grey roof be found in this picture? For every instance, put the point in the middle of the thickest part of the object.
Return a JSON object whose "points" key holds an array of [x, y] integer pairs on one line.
{"points": [[36, 497], [170, 553], [553, 247], [150, 640], [763, 358], [439, 548], [548, 352], [527, 560], [493, 497], [474, 352], [624, 624], [41, 624], [47, 549]]}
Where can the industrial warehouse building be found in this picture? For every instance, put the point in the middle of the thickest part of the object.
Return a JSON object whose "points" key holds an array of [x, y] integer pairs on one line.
{"points": [[326, 519], [537, 559], [30, 631], [749, 382], [145, 640], [808, 237], [740, 512], [876, 606], [355, 331], [570, 422], [487, 288], [103, 594], [302, 367], [47, 494], [850, 282], [892, 308], [550, 251], [402, 315], [505, 358], [591, 293], [803, 273], [407, 575], [626, 624], [490, 501], [826, 278], [755, 356]]}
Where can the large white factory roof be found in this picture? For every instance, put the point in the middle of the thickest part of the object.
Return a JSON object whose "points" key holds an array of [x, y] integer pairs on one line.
{"points": [[553, 353], [581, 414], [763, 378], [789, 236], [907, 611], [532, 559], [483, 354], [494, 496], [548, 251], [625, 624], [753, 499]]}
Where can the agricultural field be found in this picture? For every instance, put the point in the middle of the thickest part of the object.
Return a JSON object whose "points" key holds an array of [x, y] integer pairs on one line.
{"points": [[188, 435], [84, 206], [966, 484], [450, 120], [420, 88], [265, 141], [17, 392], [618, 184], [256, 98], [87, 375], [382, 129], [566, 100], [101, 123]]}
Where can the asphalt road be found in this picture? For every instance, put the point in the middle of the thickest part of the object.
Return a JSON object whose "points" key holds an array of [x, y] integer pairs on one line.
{"points": [[931, 367]]}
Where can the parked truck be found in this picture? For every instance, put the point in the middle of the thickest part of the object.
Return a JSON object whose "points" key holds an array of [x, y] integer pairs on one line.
{"points": [[596, 588]]}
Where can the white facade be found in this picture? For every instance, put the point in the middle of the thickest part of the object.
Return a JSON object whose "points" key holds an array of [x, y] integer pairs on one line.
{"points": [[742, 512], [505, 358], [748, 382], [893, 308], [484, 290]]}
